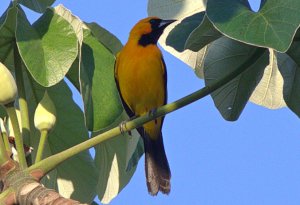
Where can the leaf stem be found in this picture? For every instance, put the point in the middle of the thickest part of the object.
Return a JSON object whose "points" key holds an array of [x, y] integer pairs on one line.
{"points": [[4, 194], [51, 162], [3, 154], [6, 142], [4, 135], [11, 111], [22, 96], [43, 140]]}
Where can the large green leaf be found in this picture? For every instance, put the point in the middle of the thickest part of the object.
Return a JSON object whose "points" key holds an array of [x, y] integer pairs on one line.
{"points": [[7, 35], [77, 24], [225, 56], [100, 95], [168, 9], [37, 5], [73, 74], [53, 43], [294, 50], [75, 177], [274, 25], [179, 10], [73, 20], [2, 112], [111, 42], [202, 35], [178, 36], [194, 33], [290, 70], [116, 160], [291, 74]]}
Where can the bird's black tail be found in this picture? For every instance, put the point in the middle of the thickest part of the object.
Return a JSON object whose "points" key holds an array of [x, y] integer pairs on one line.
{"points": [[157, 168]]}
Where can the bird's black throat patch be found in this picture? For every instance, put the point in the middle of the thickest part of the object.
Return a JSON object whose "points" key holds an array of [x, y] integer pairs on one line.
{"points": [[153, 36], [150, 38]]}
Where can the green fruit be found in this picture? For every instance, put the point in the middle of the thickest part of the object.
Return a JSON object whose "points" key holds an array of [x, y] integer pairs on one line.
{"points": [[45, 114], [8, 87]]}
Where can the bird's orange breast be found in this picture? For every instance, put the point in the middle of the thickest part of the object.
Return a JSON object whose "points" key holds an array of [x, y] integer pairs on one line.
{"points": [[140, 73]]}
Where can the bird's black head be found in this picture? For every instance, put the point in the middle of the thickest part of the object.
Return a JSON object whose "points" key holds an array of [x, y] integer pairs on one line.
{"points": [[149, 30]]}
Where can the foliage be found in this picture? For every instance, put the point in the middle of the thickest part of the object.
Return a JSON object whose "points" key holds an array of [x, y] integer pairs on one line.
{"points": [[215, 37], [59, 45]]}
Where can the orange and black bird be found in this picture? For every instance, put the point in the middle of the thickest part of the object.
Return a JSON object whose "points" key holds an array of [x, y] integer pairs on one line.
{"points": [[141, 77]]}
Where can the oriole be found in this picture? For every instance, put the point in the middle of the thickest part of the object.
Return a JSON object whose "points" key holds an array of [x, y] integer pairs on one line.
{"points": [[141, 78]]}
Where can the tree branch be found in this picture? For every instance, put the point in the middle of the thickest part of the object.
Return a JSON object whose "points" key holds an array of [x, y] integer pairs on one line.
{"points": [[44, 166], [21, 188], [36, 194]]}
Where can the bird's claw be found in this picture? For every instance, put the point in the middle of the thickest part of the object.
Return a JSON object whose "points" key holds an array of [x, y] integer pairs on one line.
{"points": [[123, 128], [152, 112]]}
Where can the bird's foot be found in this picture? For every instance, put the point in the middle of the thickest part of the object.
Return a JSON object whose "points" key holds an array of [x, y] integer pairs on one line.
{"points": [[123, 128], [152, 112]]}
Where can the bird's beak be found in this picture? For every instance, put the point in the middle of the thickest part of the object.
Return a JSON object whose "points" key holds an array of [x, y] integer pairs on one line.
{"points": [[164, 23]]}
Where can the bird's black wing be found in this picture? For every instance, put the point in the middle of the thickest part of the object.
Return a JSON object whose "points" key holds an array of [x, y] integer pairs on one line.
{"points": [[165, 86]]}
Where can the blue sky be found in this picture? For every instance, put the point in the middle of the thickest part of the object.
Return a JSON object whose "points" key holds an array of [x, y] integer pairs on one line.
{"points": [[253, 161]]}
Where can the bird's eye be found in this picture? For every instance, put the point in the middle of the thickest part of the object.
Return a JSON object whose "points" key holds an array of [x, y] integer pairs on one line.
{"points": [[152, 21]]}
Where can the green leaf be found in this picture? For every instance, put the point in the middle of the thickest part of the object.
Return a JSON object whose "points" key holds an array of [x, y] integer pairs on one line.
{"points": [[223, 57], [269, 91], [111, 42], [98, 88], [77, 24], [294, 50], [178, 36], [179, 10], [73, 74], [2, 112], [204, 34], [7, 35], [37, 5], [274, 25], [291, 74], [116, 159], [53, 43], [88, 71], [73, 20], [70, 177], [194, 33], [290, 70]]}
